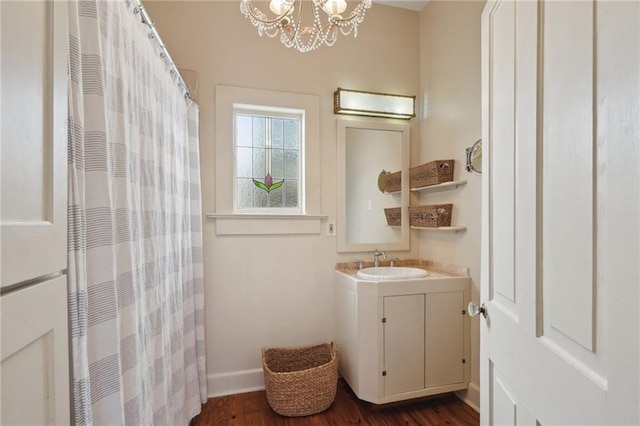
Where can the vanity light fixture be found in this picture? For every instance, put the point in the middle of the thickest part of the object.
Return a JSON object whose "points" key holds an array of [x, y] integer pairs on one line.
{"points": [[285, 17], [372, 104]]}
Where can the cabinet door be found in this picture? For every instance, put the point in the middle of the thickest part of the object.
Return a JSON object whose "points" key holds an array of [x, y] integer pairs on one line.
{"points": [[35, 369], [444, 337], [33, 78], [403, 343]]}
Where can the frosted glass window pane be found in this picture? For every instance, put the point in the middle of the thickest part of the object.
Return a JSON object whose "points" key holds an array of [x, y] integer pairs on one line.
{"points": [[243, 162], [275, 198], [291, 164], [259, 163], [277, 134], [277, 164], [291, 134], [244, 192], [260, 198], [259, 132], [243, 130], [291, 193]]}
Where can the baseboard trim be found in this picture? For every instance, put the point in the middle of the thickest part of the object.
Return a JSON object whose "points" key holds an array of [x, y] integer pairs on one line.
{"points": [[235, 382], [253, 380], [471, 396]]}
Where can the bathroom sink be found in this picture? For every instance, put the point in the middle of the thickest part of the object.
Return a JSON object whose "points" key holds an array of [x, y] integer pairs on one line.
{"points": [[388, 273]]}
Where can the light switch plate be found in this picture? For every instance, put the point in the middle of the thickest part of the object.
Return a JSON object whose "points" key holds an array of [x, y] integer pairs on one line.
{"points": [[331, 228]]}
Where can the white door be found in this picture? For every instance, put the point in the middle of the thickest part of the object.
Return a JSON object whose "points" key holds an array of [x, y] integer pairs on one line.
{"points": [[34, 368], [561, 209]]}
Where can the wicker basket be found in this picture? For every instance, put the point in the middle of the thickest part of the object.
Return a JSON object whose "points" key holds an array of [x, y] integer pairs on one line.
{"points": [[300, 381], [431, 216], [393, 182], [431, 173], [394, 216]]}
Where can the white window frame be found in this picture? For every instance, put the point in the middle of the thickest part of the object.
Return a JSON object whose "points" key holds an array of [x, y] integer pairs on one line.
{"points": [[230, 222], [271, 112]]}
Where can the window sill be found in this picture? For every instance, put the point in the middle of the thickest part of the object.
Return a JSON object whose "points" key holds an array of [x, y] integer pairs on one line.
{"points": [[266, 224]]}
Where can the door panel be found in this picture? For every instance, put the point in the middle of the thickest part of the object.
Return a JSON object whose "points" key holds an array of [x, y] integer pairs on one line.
{"points": [[21, 385], [24, 112], [503, 84], [562, 234], [506, 409], [569, 186], [504, 406], [34, 128], [403, 343], [35, 369], [526, 161]]}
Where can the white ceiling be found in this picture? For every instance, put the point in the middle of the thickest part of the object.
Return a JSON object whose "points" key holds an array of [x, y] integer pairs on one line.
{"points": [[416, 5]]}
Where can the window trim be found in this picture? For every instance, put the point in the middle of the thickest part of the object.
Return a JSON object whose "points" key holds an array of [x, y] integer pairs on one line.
{"points": [[227, 220]]}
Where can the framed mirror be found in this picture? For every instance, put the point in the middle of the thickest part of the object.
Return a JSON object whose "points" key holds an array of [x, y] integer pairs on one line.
{"points": [[368, 151]]}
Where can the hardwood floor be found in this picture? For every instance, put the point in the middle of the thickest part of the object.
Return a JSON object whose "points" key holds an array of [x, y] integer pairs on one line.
{"points": [[253, 409]]}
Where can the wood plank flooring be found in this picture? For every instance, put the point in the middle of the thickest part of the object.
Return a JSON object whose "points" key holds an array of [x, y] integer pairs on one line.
{"points": [[253, 409]]}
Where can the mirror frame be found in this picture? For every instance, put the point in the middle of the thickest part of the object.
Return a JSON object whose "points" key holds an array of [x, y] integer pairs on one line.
{"points": [[342, 125], [469, 153]]}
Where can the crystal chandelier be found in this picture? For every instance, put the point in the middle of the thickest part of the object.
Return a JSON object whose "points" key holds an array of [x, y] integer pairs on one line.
{"points": [[287, 15]]}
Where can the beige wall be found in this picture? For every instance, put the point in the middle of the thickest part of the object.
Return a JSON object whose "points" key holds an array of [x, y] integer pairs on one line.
{"points": [[277, 290], [450, 122]]}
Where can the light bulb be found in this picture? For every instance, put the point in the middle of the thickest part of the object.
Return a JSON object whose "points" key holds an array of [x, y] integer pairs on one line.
{"points": [[335, 7], [280, 7]]}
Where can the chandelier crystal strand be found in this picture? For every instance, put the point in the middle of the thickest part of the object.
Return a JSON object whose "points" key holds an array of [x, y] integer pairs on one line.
{"points": [[285, 17]]}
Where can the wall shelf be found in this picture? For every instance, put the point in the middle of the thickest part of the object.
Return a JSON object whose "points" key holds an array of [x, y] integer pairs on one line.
{"points": [[440, 187], [444, 229]]}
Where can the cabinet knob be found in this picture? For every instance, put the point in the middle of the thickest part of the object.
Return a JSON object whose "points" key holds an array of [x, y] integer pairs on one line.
{"points": [[474, 309]]}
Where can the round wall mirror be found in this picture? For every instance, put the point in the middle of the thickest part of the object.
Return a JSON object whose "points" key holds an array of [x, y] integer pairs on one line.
{"points": [[474, 157]]}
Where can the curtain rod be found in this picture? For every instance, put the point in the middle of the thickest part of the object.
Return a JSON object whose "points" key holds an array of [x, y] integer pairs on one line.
{"points": [[164, 54]]}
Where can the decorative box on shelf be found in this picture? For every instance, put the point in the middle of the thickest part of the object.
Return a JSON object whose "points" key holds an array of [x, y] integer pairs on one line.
{"points": [[393, 182], [430, 216], [431, 173], [394, 216]]}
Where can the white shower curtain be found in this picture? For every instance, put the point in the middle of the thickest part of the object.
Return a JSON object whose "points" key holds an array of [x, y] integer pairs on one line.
{"points": [[135, 244]]}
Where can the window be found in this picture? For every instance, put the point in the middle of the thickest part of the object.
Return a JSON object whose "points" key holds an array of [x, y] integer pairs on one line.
{"points": [[268, 152], [249, 144]]}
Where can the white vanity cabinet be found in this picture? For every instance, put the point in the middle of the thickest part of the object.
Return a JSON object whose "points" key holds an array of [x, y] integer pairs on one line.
{"points": [[403, 339]]}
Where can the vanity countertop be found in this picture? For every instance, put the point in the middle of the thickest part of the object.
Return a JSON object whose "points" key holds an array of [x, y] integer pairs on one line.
{"points": [[436, 269]]}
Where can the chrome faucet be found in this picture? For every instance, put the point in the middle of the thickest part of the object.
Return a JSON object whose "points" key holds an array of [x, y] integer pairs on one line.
{"points": [[376, 257]]}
